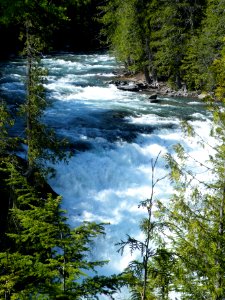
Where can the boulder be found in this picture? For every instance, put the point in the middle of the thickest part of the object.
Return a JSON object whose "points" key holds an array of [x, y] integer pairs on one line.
{"points": [[202, 96], [153, 97], [141, 85], [129, 87]]}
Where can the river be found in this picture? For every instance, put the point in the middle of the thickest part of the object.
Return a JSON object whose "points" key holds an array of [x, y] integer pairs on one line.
{"points": [[114, 134]]}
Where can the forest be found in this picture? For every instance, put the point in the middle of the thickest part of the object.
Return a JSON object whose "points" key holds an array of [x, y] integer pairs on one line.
{"points": [[178, 42]]}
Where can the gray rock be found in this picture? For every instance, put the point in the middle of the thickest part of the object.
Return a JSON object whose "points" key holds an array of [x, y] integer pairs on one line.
{"points": [[130, 88]]}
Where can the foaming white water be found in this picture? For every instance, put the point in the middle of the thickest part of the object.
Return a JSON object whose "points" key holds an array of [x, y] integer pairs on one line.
{"points": [[106, 182], [152, 119], [106, 185], [114, 135]]}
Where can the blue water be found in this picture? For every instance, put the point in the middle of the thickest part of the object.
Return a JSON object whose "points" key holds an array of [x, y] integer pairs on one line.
{"points": [[114, 135]]}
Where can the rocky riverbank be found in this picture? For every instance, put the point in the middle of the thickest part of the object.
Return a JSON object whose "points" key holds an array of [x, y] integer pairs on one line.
{"points": [[137, 83]]}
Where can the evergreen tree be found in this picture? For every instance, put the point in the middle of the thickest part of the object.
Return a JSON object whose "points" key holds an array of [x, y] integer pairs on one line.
{"points": [[44, 258], [32, 17], [204, 47], [42, 143], [195, 217], [127, 30], [6, 122], [174, 22], [218, 72], [6, 147], [152, 36], [123, 31]]}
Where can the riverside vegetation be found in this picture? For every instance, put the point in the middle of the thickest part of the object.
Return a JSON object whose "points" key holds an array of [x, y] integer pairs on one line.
{"points": [[41, 257]]}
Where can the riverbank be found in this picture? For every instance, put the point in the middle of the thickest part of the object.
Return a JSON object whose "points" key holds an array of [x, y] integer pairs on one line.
{"points": [[137, 83]]}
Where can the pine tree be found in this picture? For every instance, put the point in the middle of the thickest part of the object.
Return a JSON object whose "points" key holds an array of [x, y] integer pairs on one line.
{"points": [[43, 257]]}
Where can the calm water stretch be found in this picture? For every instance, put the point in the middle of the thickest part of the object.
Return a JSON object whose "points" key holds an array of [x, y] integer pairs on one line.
{"points": [[114, 134]]}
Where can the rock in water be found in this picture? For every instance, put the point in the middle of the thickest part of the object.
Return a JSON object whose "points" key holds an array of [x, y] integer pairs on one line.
{"points": [[153, 97], [129, 87]]}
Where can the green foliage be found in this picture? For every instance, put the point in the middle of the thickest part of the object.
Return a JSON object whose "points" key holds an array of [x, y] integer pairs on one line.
{"points": [[124, 31], [218, 70], [204, 48], [41, 257], [152, 34], [127, 28], [6, 122], [42, 142], [45, 258], [195, 217]]}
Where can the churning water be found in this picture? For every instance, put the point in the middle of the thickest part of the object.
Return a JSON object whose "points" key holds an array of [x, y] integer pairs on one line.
{"points": [[114, 136]]}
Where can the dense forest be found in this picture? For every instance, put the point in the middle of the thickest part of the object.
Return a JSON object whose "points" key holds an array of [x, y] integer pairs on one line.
{"points": [[179, 42]]}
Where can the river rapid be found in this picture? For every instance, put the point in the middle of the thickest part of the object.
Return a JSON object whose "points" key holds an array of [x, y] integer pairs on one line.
{"points": [[114, 134]]}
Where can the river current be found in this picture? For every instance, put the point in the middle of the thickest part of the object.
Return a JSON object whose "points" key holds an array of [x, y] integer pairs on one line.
{"points": [[114, 136]]}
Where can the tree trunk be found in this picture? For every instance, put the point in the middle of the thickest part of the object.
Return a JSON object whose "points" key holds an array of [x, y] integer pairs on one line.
{"points": [[178, 80], [150, 62], [30, 160], [147, 76]]}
